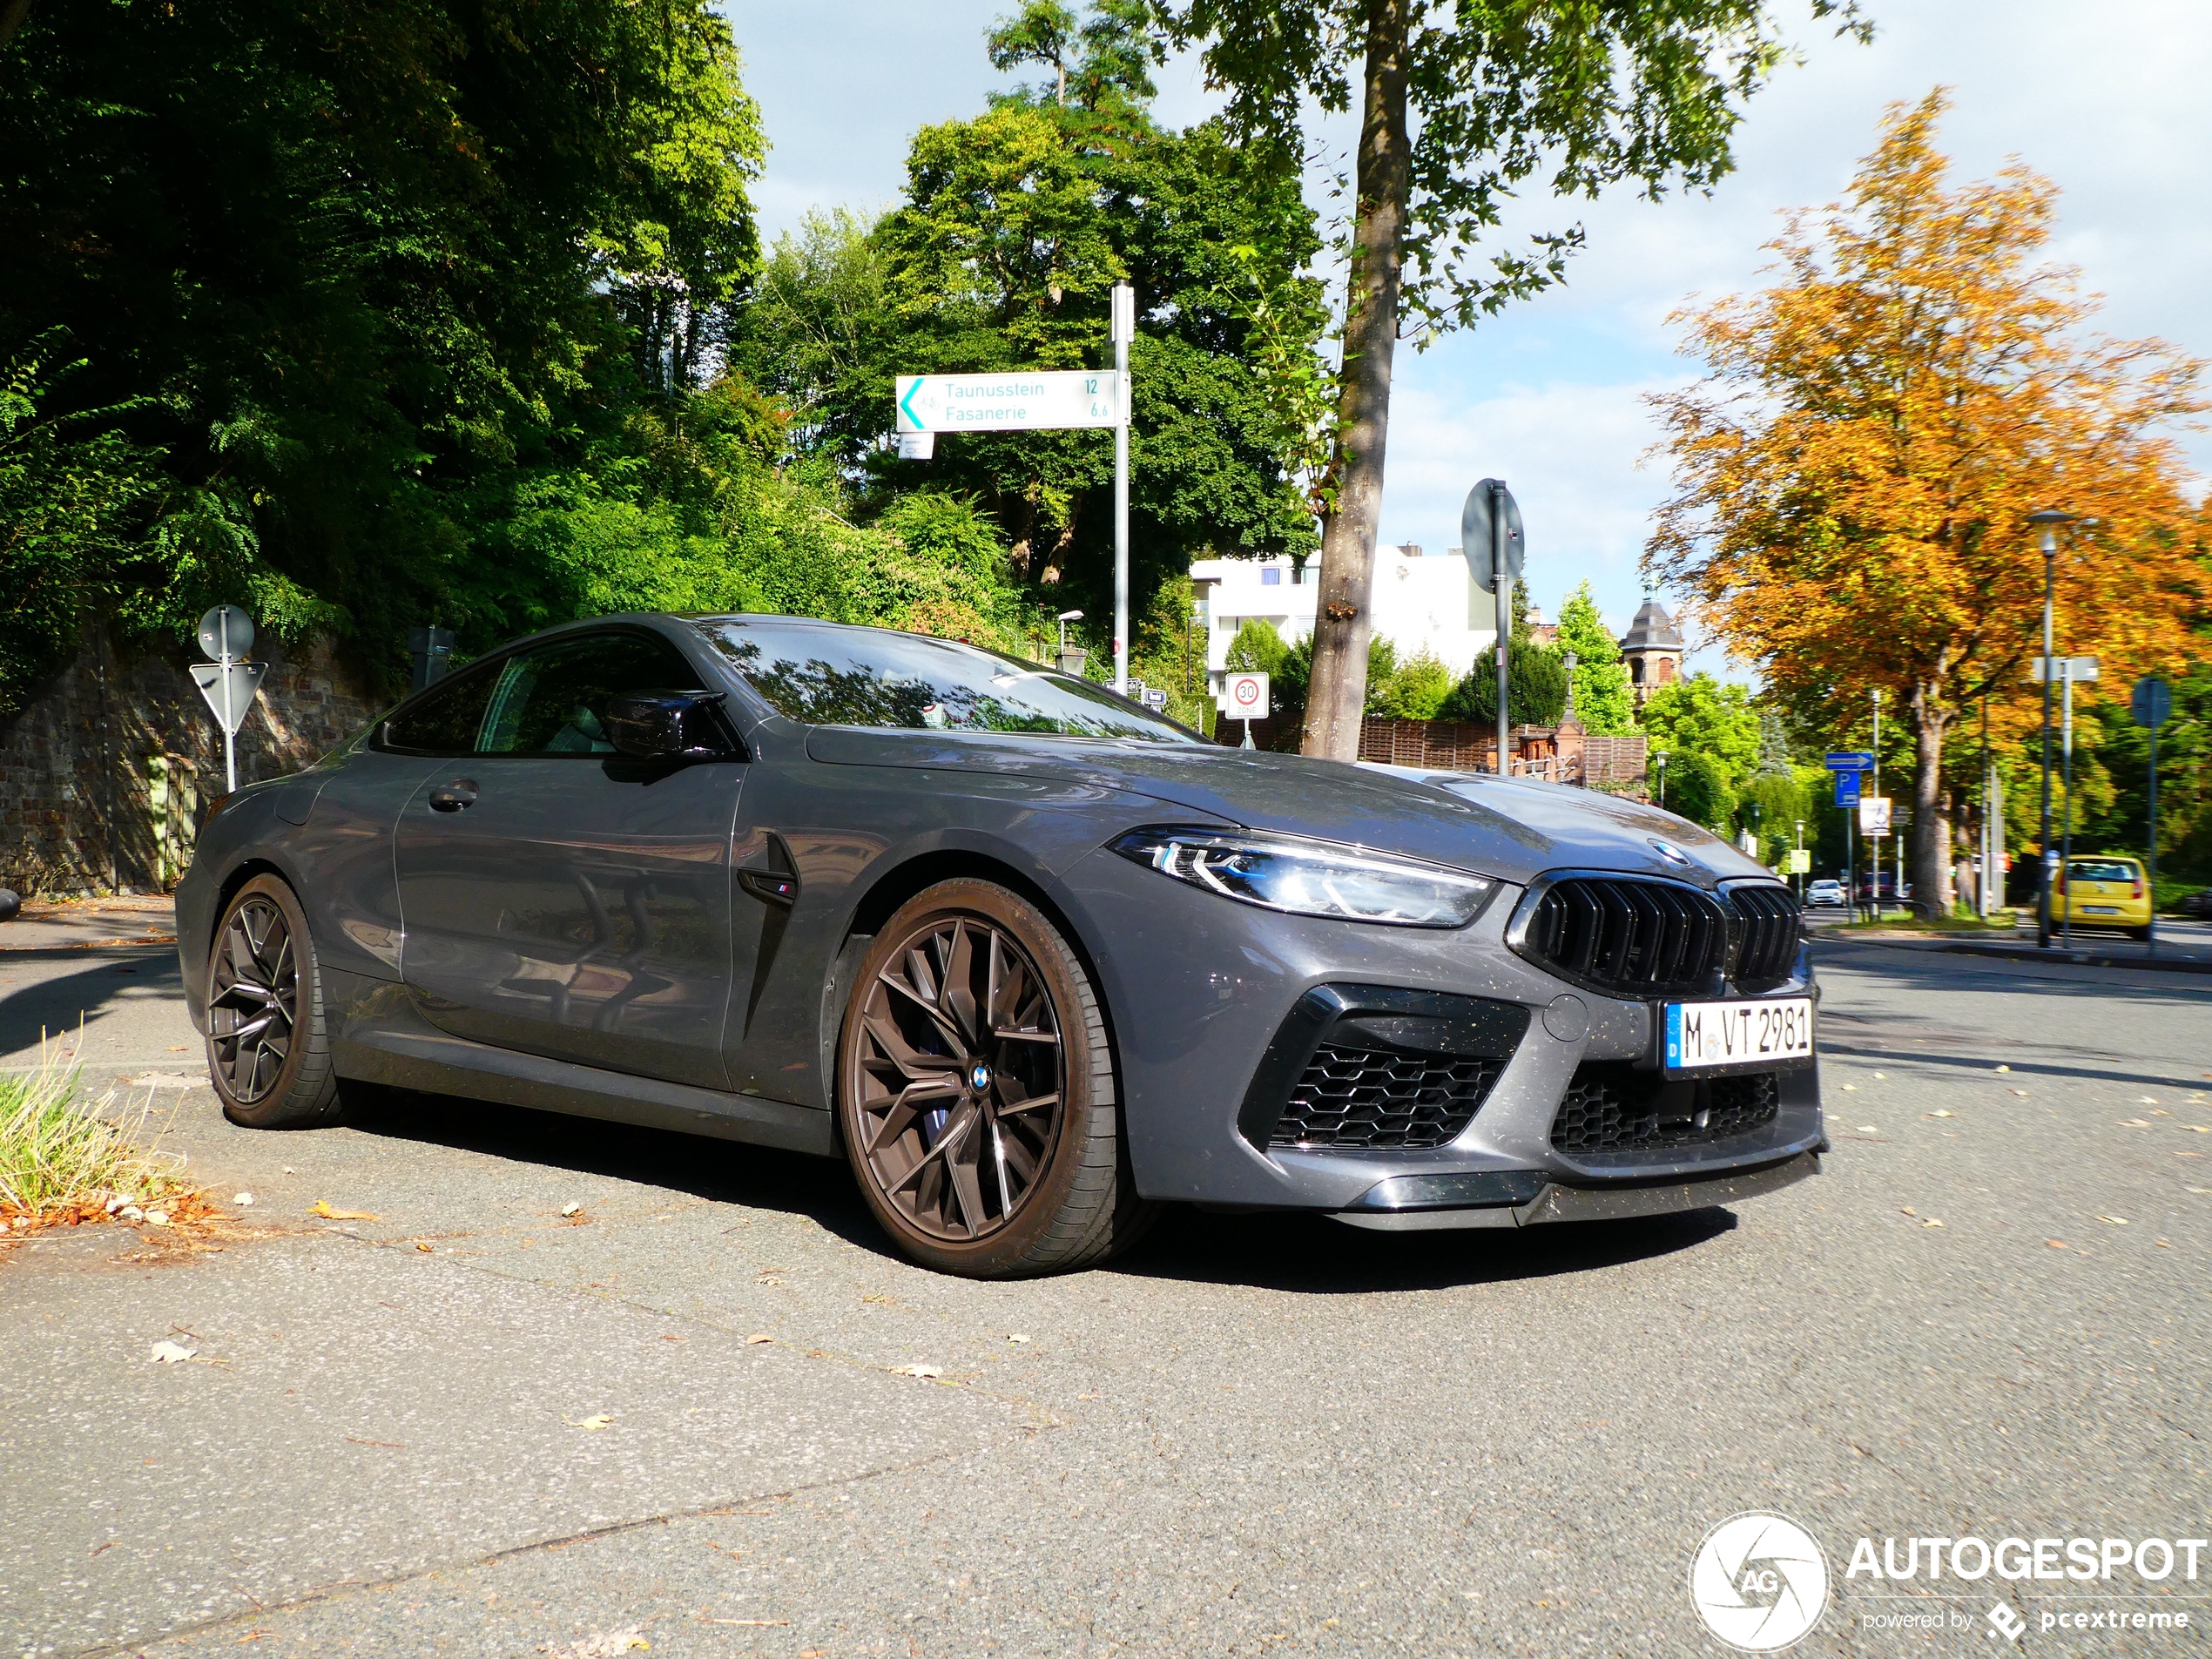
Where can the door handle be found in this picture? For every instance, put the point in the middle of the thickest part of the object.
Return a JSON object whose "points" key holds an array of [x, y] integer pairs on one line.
{"points": [[451, 798]]}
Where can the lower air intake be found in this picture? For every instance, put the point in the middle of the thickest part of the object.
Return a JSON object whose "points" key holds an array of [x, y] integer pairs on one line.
{"points": [[1614, 1107], [1375, 1097]]}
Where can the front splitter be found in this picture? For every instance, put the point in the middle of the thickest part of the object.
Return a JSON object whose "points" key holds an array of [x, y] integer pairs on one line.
{"points": [[1560, 1203]]}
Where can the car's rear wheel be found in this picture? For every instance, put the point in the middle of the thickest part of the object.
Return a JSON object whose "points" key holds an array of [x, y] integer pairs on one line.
{"points": [[267, 1051], [976, 1091]]}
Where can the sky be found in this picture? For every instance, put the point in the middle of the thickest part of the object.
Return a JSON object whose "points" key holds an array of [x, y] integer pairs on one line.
{"points": [[2108, 101]]}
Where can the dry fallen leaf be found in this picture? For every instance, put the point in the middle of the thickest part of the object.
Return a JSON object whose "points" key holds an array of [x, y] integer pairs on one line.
{"points": [[2148, 1101], [2135, 1123], [2201, 1191], [321, 1207], [2022, 1093], [600, 1421], [1939, 1114], [1850, 1089], [758, 1335], [1881, 1077], [1017, 1339], [2196, 1128], [2004, 1067], [170, 1353], [1868, 1129], [2056, 1244], [1932, 1222], [917, 1370], [430, 1249], [1907, 1211], [2117, 1221]]}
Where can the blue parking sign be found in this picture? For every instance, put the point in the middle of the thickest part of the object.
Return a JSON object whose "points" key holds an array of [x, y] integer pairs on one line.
{"points": [[1847, 788]]}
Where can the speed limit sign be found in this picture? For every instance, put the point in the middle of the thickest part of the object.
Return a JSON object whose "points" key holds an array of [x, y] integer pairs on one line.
{"points": [[1244, 696]]}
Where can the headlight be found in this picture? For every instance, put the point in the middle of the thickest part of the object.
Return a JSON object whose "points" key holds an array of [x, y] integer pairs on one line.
{"points": [[1311, 878]]}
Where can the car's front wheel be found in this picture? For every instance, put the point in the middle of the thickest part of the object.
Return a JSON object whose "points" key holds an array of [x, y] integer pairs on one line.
{"points": [[267, 1051], [976, 1094]]}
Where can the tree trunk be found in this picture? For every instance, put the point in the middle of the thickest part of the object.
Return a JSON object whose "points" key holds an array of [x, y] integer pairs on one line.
{"points": [[1337, 693], [1930, 833]]}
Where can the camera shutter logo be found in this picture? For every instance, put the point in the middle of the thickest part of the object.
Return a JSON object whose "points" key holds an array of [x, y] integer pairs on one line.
{"points": [[1759, 1582]]}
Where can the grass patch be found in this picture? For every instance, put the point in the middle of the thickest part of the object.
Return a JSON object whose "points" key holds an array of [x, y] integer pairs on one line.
{"points": [[63, 1158]]}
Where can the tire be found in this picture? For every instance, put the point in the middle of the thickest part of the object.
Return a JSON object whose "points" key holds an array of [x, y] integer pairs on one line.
{"points": [[968, 1010], [268, 1051]]}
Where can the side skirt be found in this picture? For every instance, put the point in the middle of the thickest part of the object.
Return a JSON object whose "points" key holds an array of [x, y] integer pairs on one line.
{"points": [[393, 1046]]}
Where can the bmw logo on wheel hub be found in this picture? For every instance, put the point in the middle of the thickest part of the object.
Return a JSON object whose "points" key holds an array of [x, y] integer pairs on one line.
{"points": [[978, 1077]]}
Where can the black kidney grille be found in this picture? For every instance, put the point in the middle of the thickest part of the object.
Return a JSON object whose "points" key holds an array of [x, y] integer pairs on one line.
{"points": [[1629, 938], [1611, 1107], [1766, 935], [1376, 1097]]}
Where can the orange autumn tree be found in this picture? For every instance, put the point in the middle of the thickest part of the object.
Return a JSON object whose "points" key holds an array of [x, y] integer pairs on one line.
{"points": [[1854, 475]]}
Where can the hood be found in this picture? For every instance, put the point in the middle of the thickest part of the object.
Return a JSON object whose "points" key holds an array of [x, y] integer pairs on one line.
{"points": [[1511, 828]]}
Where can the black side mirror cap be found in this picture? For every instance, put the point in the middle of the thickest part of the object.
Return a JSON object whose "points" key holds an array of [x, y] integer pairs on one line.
{"points": [[665, 726]]}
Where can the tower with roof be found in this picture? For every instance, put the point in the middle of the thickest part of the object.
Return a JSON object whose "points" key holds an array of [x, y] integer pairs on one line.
{"points": [[1652, 649]]}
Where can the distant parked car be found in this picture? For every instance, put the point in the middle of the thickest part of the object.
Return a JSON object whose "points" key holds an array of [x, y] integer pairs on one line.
{"points": [[1887, 891], [1826, 891], [2196, 904], [2105, 892]]}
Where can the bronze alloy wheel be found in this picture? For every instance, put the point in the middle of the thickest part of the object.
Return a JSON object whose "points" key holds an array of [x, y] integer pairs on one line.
{"points": [[267, 1051], [977, 1089]]}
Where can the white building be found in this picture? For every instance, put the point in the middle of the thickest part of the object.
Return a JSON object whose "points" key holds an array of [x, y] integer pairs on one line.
{"points": [[1416, 602]]}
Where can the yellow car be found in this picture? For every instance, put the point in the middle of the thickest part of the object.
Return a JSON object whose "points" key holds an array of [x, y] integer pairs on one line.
{"points": [[2105, 892]]}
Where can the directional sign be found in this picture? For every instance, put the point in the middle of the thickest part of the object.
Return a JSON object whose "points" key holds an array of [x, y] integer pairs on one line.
{"points": [[2062, 668], [234, 704], [1874, 815], [1847, 788], [1474, 537], [1849, 761], [226, 632], [1048, 398], [2153, 701], [1244, 696]]}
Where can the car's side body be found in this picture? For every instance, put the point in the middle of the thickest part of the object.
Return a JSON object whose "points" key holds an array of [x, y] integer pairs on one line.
{"points": [[742, 891]]}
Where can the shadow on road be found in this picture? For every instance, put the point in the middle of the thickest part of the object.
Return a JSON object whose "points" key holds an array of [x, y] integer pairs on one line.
{"points": [[1296, 1253], [60, 1005]]}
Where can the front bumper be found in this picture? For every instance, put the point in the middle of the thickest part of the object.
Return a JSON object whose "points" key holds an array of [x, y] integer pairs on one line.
{"points": [[1201, 990]]}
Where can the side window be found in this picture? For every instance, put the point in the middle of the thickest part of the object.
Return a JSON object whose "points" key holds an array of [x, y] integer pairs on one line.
{"points": [[447, 720], [552, 701]]}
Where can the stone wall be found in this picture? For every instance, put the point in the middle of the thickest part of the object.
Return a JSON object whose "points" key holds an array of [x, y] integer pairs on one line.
{"points": [[103, 775]]}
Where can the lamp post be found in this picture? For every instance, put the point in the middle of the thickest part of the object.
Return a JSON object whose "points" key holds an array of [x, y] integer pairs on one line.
{"points": [[1066, 616], [1660, 761], [2048, 520], [1800, 874]]}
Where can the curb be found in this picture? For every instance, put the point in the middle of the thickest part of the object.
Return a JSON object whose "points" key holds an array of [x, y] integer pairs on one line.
{"points": [[2030, 953]]}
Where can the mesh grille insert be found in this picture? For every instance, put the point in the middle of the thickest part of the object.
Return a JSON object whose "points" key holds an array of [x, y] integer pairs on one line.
{"points": [[1612, 1107], [1378, 1097], [1629, 938]]}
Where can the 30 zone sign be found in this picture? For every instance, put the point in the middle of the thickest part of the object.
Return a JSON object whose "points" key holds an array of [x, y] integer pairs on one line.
{"points": [[1244, 696]]}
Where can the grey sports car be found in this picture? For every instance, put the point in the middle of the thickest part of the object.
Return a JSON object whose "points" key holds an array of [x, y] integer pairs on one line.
{"points": [[1031, 958]]}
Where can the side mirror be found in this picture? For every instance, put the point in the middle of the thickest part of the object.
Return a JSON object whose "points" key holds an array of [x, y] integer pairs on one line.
{"points": [[664, 725]]}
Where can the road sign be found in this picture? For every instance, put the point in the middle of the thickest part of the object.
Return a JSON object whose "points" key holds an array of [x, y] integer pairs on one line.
{"points": [[1154, 697], [226, 631], [2153, 701], [2062, 668], [1244, 696], [233, 702], [1847, 788], [1047, 399], [1798, 861], [1874, 815], [1849, 761], [1474, 536]]}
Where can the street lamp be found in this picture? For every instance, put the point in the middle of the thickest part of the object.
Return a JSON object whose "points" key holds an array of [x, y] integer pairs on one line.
{"points": [[1800, 874], [1660, 761], [2048, 520]]}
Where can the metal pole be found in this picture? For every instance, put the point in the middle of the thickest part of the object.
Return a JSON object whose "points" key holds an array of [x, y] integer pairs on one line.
{"points": [[1874, 875], [1988, 864], [2043, 846], [230, 725], [2150, 929], [2065, 821], [1124, 325], [1504, 584]]}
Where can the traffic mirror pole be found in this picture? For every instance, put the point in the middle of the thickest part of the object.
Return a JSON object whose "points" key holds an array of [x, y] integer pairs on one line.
{"points": [[1505, 617]]}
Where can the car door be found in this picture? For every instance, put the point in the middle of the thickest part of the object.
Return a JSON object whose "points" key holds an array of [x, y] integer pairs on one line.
{"points": [[561, 899]]}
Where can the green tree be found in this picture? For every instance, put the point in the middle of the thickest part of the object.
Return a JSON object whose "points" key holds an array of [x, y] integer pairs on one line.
{"points": [[1460, 107], [1415, 690], [1697, 787], [1603, 702], [357, 293], [1704, 716], [1535, 687]]}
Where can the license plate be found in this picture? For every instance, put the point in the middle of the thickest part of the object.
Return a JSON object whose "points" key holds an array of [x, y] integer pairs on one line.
{"points": [[2099, 909], [1723, 1036]]}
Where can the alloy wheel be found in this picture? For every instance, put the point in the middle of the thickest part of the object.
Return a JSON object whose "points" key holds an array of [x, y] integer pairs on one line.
{"points": [[254, 1001], [960, 1078]]}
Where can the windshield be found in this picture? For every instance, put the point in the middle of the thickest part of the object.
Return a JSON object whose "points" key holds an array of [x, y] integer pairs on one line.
{"points": [[2101, 870], [828, 674]]}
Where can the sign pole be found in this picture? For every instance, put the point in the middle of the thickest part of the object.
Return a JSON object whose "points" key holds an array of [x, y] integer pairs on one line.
{"points": [[1505, 618], [229, 727], [2065, 823], [1124, 325], [2150, 929]]}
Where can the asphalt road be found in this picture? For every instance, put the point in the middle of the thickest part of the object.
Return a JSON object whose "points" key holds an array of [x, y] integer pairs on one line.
{"points": [[473, 1425]]}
